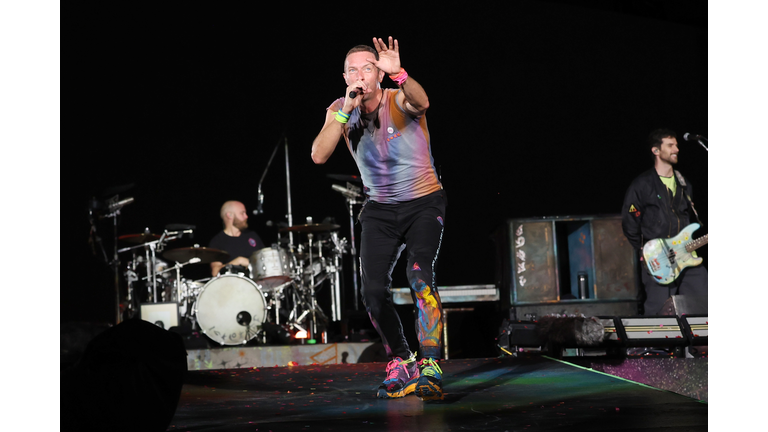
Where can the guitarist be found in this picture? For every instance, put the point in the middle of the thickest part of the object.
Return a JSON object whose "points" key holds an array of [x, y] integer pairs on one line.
{"points": [[658, 205]]}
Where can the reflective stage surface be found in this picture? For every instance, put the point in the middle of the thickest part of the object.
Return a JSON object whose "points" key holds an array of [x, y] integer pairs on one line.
{"points": [[496, 394]]}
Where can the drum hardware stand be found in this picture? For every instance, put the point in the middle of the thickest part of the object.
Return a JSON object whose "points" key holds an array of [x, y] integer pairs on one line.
{"points": [[152, 267], [352, 195], [313, 302], [278, 291], [339, 246], [151, 258], [177, 268], [300, 301], [297, 326], [130, 278], [149, 249], [313, 325]]}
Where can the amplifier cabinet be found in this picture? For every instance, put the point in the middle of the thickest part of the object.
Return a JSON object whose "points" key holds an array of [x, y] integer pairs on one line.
{"points": [[543, 260]]}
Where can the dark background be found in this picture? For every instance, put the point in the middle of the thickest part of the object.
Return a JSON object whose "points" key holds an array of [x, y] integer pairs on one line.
{"points": [[538, 108]]}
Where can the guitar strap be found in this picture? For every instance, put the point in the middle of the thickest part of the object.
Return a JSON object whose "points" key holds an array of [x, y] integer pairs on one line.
{"points": [[681, 180]]}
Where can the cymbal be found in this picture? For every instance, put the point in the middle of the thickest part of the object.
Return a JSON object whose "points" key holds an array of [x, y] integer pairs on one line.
{"points": [[346, 177], [139, 238], [206, 255], [311, 228]]}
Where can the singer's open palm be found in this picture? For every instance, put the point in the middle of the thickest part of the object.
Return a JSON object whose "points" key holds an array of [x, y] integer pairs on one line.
{"points": [[389, 55]]}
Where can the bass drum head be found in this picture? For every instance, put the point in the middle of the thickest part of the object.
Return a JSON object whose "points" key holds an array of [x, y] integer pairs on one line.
{"points": [[230, 309]]}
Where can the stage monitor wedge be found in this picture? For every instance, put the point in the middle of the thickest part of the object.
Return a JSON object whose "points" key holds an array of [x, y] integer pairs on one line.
{"points": [[652, 331]]}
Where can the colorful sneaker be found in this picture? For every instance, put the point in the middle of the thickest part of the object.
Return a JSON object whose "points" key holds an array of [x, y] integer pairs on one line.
{"points": [[402, 376], [430, 384]]}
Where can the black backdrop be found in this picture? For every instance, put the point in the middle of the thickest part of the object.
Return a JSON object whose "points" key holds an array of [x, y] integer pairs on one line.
{"points": [[537, 109]]}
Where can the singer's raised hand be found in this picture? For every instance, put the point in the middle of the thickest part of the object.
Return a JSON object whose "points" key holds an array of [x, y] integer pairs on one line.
{"points": [[389, 56]]}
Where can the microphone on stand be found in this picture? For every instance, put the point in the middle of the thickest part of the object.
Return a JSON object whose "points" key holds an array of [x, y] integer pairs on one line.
{"points": [[181, 229], [696, 138], [349, 193], [259, 210], [117, 205], [690, 137]]}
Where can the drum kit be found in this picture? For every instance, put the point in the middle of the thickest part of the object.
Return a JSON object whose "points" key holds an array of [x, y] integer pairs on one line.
{"points": [[278, 288]]}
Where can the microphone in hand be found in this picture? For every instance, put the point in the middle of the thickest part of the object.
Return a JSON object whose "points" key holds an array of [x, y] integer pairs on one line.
{"points": [[354, 93]]}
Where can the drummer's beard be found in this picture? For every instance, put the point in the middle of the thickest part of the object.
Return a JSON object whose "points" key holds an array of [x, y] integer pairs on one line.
{"points": [[240, 224]]}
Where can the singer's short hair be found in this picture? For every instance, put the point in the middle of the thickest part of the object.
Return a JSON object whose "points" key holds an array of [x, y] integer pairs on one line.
{"points": [[360, 48], [655, 137]]}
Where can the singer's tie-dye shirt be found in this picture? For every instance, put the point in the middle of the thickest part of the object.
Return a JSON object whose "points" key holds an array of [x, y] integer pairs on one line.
{"points": [[395, 159]]}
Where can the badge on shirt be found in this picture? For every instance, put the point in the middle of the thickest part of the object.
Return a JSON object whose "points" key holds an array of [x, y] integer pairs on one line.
{"points": [[633, 209], [252, 242]]}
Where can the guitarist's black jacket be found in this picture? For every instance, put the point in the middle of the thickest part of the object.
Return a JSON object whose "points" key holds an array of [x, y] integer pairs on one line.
{"points": [[650, 211]]}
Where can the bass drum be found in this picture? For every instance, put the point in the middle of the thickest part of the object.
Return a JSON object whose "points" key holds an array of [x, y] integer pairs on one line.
{"points": [[230, 309]]}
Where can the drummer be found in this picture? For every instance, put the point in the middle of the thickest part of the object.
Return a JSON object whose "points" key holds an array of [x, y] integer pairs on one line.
{"points": [[235, 239]]}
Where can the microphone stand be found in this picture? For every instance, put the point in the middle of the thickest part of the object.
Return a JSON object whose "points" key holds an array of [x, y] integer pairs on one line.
{"points": [[699, 140], [288, 189], [115, 264], [111, 209], [287, 179], [150, 249], [116, 268], [264, 174]]}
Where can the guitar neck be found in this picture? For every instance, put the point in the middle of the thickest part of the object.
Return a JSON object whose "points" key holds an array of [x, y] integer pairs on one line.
{"points": [[695, 244]]}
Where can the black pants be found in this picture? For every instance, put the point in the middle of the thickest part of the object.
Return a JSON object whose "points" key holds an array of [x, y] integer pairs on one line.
{"points": [[388, 229], [692, 282]]}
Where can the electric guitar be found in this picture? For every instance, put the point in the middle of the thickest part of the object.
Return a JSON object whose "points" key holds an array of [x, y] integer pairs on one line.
{"points": [[667, 258]]}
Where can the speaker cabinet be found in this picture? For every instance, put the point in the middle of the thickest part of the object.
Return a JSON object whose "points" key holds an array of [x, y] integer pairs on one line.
{"points": [[545, 260]]}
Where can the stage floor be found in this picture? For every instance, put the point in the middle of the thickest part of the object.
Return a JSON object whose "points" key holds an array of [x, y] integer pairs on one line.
{"points": [[532, 393]]}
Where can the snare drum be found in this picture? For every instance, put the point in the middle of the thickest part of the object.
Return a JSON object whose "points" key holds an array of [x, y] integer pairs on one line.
{"points": [[272, 267], [230, 309]]}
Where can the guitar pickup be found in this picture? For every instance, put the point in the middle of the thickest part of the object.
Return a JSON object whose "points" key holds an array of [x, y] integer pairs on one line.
{"points": [[671, 256]]}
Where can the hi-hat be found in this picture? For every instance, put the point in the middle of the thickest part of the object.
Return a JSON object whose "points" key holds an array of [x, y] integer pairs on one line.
{"points": [[206, 255], [311, 228], [139, 238]]}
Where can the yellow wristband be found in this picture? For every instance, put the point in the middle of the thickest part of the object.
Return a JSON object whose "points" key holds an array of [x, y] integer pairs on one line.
{"points": [[341, 117]]}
